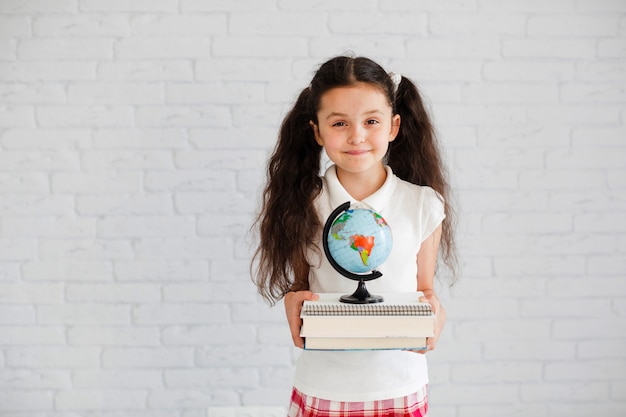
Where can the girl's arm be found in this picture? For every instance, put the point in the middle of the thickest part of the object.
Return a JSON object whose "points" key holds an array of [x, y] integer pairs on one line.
{"points": [[426, 264], [293, 305]]}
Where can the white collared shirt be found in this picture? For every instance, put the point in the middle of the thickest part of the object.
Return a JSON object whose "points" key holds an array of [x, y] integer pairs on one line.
{"points": [[413, 213]]}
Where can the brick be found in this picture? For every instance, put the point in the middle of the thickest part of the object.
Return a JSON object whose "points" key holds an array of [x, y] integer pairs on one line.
{"points": [[606, 265], [129, 204], [429, 5], [513, 410], [312, 23], [229, 334], [170, 47], [501, 157], [113, 293], [212, 378], [188, 313], [521, 350], [487, 93], [225, 292], [259, 47], [560, 179], [45, 139], [113, 336], [564, 25], [221, 202], [22, 249], [32, 93], [117, 379], [604, 70], [529, 71], [145, 226], [178, 399], [13, 315], [29, 379], [367, 23], [26, 293], [601, 349], [222, 159], [143, 6], [527, 223], [585, 158], [243, 356], [188, 25], [97, 182], [31, 336], [498, 330], [145, 71], [84, 116], [594, 326], [199, 93], [586, 371], [249, 115], [67, 270], [23, 183], [51, 357], [157, 139], [26, 400], [15, 26], [577, 287], [497, 372], [183, 116], [585, 93], [183, 249], [17, 116], [47, 71], [191, 180], [84, 25], [65, 49], [552, 48], [84, 313], [387, 47], [150, 358], [242, 69], [159, 270], [101, 399], [473, 394], [477, 24], [583, 137], [27, 227], [115, 93], [459, 48]]}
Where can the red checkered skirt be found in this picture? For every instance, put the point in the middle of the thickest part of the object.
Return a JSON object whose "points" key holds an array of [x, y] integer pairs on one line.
{"points": [[413, 405]]}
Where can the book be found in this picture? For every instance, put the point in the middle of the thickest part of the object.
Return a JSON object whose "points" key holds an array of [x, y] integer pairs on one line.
{"points": [[401, 321]]}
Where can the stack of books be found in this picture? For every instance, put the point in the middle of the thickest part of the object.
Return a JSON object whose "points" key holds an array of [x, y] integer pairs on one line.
{"points": [[401, 321]]}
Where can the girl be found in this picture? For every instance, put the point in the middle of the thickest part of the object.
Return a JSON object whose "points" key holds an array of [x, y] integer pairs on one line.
{"points": [[375, 129]]}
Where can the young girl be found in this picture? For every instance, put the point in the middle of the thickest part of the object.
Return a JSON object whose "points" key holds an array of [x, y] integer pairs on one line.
{"points": [[376, 131]]}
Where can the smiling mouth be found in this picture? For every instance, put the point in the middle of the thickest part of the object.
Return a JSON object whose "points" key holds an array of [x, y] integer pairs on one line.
{"points": [[357, 152]]}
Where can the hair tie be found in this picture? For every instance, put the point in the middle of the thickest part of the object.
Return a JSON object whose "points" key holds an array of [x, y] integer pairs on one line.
{"points": [[396, 79]]}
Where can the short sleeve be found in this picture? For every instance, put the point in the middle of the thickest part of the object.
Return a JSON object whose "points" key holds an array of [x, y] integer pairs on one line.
{"points": [[433, 211]]}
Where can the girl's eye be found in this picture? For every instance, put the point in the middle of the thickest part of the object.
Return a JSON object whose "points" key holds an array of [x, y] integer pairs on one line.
{"points": [[372, 122], [339, 124]]}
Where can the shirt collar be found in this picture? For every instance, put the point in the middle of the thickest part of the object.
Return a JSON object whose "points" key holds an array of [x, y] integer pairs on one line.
{"points": [[377, 201]]}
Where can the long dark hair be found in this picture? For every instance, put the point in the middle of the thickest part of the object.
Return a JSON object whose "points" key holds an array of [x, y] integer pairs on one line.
{"points": [[288, 224]]}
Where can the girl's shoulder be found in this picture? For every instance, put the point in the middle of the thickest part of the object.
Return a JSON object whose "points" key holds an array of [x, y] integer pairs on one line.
{"points": [[419, 192]]}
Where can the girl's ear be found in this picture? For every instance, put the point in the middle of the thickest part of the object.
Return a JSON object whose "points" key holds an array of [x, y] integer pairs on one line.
{"points": [[395, 127], [316, 132]]}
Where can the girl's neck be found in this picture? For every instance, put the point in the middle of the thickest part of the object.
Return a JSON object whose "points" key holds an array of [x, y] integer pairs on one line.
{"points": [[363, 184]]}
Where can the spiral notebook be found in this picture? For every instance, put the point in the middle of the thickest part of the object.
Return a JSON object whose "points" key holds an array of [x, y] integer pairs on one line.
{"points": [[399, 317]]}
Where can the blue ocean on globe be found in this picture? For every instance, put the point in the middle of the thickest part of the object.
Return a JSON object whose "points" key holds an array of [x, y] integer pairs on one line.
{"points": [[359, 240]]}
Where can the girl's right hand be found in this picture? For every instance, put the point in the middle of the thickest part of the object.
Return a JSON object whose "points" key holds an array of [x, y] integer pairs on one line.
{"points": [[293, 305]]}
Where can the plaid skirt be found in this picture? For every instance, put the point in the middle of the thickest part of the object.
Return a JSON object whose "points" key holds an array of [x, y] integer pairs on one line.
{"points": [[413, 405]]}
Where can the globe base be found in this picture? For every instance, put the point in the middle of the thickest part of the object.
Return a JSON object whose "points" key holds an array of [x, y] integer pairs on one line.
{"points": [[361, 296]]}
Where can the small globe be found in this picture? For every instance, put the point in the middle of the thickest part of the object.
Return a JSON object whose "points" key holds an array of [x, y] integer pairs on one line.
{"points": [[359, 240]]}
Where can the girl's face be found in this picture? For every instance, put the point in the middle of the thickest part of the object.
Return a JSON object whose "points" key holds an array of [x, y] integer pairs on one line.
{"points": [[355, 126]]}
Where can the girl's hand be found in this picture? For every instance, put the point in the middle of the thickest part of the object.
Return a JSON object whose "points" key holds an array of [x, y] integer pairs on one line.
{"points": [[293, 305], [440, 318]]}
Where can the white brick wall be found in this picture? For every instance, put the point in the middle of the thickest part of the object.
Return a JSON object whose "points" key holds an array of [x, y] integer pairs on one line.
{"points": [[133, 138]]}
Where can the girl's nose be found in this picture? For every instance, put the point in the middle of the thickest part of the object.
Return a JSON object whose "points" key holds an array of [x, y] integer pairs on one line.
{"points": [[356, 136]]}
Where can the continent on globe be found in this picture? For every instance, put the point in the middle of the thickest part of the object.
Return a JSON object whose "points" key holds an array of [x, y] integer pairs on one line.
{"points": [[362, 244]]}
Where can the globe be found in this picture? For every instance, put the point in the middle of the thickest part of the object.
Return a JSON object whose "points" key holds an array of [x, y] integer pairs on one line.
{"points": [[359, 240]]}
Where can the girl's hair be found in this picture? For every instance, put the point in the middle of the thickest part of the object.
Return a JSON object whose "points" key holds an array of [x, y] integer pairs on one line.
{"points": [[288, 224]]}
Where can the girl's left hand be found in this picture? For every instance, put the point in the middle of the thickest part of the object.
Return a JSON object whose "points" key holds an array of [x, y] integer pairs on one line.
{"points": [[440, 318]]}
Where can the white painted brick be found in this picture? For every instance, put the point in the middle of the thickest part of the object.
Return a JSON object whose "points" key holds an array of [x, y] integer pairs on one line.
{"points": [[16, 315], [599, 349], [188, 25], [482, 115], [8, 49], [100, 399], [14, 93], [577, 287], [113, 336], [188, 313], [46, 160], [15, 26], [16, 116], [224, 159], [601, 222], [520, 350], [23, 183], [26, 379], [184, 249], [53, 357], [533, 265], [259, 47], [167, 47], [606, 71], [118, 378], [526, 70], [47, 70], [462, 309], [492, 394], [494, 372], [113, 293], [312, 23], [598, 158], [595, 370], [17, 249], [151, 358], [183, 116], [96, 182], [31, 336], [607, 265], [486, 93], [140, 138], [564, 25], [212, 378], [552, 48], [242, 69], [145, 71], [561, 179], [244, 355], [145, 226], [26, 400], [459, 48], [65, 49], [85, 25], [115, 93], [84, 116], [527, 223], [67, 270], [192, 180], [428, 5], [391, 46], [35, 6], [178, 399], [229, 334], [25, 293], [125, 160], [231, 93], [222, 202], [477, 24], [52, 227], [367, 23], [115, 204], [159, 270], [536, 6], [498, 330], [498, 158], [84, 313], [48, 139], [598, 137], [246, 115], [593, 327], [228, 6], [135, 6]]}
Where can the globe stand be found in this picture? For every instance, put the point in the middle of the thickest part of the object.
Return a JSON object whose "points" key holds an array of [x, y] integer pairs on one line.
{"points": [[361, 295]]}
